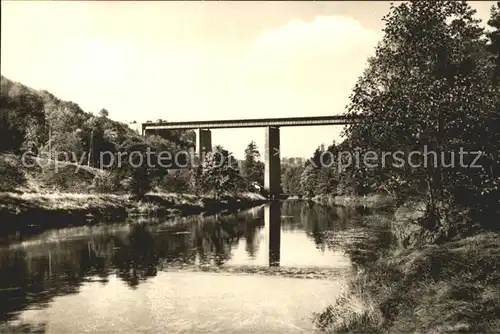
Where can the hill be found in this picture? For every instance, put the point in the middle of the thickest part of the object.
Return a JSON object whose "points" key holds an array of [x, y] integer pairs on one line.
{"points": [[30, 116], [37, 121]]}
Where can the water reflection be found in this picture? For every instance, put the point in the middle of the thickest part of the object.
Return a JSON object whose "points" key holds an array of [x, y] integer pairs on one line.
{"points": [[58, 262]]}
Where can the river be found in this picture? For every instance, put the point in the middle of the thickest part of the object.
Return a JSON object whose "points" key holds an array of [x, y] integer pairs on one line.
{"points": [[267, 269]]}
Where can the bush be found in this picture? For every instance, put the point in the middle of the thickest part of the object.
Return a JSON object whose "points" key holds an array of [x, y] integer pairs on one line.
{"points": [[11, 172], [176, 181], [65, 178], [140, 183], [105, 182]]}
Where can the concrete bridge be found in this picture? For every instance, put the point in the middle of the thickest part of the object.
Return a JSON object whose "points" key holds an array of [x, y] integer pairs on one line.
{"points": [[272, 173]]}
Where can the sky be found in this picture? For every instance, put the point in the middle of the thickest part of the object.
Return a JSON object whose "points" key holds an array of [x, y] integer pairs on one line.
{"points": [[187, 61]]}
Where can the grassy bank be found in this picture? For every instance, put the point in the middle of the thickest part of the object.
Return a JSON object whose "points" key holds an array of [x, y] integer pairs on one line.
{"points": [[48, 210], [453, 287]]}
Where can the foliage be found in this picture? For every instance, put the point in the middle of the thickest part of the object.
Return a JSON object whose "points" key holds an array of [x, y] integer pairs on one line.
{"points": [[131, 163], [21, 116], [31, 118], [290, 178], [61, 130], [320, 174], [252, 169], [432, 86], [105, 182], [494, 40], [308, 181], [195, 183], [11, 172], [64, 178], [140, 182], [104, 113], [429, 85], [176, 181], [220, 172]]}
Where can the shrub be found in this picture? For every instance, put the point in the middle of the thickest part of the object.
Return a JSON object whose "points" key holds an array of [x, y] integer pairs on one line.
{"points": [[140, 183], [177, 181], [11, 172], [66, 178], [105, 182]]}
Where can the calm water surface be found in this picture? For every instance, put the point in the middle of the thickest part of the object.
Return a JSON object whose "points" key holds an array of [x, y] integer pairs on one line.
{"points": [[198, 274]]}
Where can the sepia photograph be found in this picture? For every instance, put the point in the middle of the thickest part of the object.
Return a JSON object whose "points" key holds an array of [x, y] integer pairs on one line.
{"points": [[249, 167]]}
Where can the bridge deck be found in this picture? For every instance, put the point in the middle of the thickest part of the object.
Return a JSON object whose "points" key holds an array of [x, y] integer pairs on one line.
{"points": [[252, 123]]}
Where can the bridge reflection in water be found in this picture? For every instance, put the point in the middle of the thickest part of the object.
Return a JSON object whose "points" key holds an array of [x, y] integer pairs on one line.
{"points": [[272, 219]]}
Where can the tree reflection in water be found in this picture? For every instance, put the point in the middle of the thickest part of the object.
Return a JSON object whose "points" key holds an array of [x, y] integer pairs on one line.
{"points": [[137, 259], [35, 273]]}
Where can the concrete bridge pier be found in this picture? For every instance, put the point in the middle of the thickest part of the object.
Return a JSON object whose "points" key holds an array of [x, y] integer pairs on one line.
{"points": [[272, 174], [203, 142]]}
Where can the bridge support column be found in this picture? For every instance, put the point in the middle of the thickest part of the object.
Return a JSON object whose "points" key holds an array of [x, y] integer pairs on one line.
{"points": [[272, 173], [203, 142]]}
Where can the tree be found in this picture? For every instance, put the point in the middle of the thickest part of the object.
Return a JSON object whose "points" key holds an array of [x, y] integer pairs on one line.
{"points": [[195, 181], [176, 181], [220, 172], [428, 86], [290, 178], [494, 39], [133, 166], [308, 181], [494, 50], [137, 159], [315, 160], [321, 176], [252, 169], [103, 113], [22, 117]]}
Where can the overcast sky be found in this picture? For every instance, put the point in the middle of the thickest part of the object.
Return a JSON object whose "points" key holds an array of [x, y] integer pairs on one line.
{"points": [[183, 61]]}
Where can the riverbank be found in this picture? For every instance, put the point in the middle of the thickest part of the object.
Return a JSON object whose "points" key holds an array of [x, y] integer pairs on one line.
{"points": [[52, 210], [372, 201], [450, 287]]}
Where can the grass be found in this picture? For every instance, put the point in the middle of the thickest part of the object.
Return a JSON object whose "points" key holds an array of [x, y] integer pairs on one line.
{"points": [[453, 287], [66, 201], [45, 175]]}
